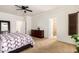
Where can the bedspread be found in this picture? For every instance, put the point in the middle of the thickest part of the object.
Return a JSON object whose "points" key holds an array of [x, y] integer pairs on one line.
{"points": [[12, 41]]}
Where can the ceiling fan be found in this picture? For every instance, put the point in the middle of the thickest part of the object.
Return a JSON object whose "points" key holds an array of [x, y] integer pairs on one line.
{"points": [[24, 8]]}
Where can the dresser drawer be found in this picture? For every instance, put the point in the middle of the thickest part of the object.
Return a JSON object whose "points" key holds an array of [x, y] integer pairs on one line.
{"points": [[37, 33]]}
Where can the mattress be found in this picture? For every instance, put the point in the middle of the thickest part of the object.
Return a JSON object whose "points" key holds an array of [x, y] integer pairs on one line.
{"points": [[12, 41]]}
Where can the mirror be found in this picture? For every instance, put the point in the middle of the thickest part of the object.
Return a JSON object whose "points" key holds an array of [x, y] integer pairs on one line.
{"points": [[4, 26]]}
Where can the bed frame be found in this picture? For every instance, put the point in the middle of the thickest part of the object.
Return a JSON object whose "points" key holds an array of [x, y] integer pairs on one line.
{"points": [[21, 49]]}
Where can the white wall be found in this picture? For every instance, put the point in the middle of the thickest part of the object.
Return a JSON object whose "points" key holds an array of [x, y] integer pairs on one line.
{"points": [[28, 24], [20, 26], [13, 19], [43, 21]]}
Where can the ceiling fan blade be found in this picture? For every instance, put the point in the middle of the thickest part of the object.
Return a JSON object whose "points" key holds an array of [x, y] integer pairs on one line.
{"points": [[28, 10], [26, 7], [18, 6]]}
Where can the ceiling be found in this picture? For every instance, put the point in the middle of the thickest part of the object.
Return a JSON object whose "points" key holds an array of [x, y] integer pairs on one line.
{"points": [[35, 8]]}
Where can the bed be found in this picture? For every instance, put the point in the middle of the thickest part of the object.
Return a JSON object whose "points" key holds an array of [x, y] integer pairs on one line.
{"points": [[14, 42]]}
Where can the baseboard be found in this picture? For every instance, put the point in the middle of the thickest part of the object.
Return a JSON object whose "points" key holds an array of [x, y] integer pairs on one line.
{"points": [[67, 43]]}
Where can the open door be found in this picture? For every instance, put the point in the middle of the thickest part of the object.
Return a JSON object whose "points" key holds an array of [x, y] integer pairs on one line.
{"points": [[73, 24]]}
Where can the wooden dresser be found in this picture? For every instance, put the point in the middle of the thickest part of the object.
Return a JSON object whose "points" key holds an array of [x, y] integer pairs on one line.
{"points": [[37, 33]]}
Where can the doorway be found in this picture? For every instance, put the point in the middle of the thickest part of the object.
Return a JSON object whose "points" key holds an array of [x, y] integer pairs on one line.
{"points": [[53, 28]]}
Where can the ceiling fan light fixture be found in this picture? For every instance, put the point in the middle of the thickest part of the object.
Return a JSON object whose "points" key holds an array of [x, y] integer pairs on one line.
{"points": [[24, 11]]}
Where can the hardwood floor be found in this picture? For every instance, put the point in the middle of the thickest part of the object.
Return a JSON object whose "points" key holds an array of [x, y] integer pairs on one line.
{"points": [[50, 46]]}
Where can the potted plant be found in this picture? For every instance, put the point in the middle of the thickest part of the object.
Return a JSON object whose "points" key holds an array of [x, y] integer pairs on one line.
{"points": [[76, 39]]}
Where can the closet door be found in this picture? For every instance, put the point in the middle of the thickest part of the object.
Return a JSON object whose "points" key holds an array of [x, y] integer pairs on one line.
{"points": [[73, 23]]}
